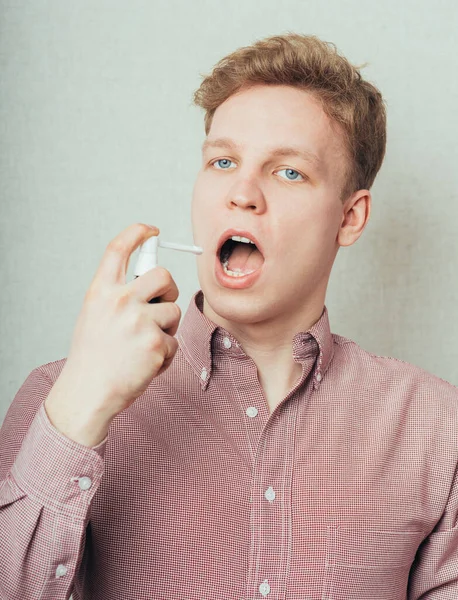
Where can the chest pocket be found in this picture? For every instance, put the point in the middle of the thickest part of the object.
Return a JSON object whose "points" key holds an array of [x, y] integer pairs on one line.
{"points": [[367, 564]]}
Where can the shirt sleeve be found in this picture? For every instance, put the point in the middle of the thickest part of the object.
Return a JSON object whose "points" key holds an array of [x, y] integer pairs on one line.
{"points": [[47, 483], [434, 574]]}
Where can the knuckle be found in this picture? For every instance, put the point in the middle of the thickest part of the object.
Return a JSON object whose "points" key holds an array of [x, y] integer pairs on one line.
{"points": [[174, 345], [177, 310], [122, 300], [117, 246], [97, 292], [164, 273], [155, 343], [135, 320], [163, 276]]}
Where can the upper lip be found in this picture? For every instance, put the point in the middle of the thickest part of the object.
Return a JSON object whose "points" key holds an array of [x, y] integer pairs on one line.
{"points": [[240, 232]]}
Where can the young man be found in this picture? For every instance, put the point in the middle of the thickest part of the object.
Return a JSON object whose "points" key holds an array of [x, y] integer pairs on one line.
{"points": [[256, 454]]}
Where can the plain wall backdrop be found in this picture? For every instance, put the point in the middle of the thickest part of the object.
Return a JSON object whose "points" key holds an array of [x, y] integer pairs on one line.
{"points": [[98, 131]]}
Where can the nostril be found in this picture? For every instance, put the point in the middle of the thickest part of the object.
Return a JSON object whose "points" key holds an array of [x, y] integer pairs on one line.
{"points": [[243, 204]]}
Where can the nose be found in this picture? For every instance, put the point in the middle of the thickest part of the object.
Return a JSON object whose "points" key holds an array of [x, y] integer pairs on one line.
{"points": [[247, 197]]}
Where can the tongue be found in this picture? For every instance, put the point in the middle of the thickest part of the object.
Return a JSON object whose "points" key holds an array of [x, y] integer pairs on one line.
{"points": [[245, 258]]}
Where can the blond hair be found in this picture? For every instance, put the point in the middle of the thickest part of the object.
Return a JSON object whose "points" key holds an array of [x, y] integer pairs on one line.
{"points": [[308, 63]]}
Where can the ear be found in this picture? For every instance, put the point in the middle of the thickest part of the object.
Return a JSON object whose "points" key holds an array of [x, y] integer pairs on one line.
{"points": [[356, 212]]}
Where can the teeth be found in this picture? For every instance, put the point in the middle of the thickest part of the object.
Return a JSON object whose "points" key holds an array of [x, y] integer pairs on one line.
{"points": [[234, 273], [245, 240]]}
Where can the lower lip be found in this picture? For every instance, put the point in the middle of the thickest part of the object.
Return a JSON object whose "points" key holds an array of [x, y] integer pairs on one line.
{"points": [[235, 283]]}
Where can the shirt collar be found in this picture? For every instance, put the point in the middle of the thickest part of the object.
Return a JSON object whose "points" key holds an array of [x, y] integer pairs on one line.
{"points": [[200, 340]]}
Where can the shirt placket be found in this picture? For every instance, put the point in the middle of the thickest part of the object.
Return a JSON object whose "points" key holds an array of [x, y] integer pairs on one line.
{"points": [[270, 519], [272, 442]]}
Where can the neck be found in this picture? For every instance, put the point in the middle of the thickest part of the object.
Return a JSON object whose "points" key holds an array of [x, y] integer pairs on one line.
{"points": [[269, 344]]}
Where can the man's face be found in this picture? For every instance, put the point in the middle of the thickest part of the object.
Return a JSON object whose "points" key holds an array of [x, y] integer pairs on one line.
{"points": [[289, 204]]}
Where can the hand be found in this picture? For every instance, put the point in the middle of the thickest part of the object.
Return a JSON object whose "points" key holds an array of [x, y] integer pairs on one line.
{"points": [[120, 342]]}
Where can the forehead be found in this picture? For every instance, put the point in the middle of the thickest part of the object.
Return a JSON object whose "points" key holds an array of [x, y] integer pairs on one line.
{"points": [[262, 118]]}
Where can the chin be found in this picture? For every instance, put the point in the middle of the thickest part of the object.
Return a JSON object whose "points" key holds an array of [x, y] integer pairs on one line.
{"points": [[236, 306]]}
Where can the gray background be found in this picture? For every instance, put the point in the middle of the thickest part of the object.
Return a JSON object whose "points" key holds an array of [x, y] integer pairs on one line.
{"points": [[98, 131]]}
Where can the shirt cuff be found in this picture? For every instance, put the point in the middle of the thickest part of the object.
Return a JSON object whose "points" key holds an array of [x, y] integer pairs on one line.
{"points": [[57, 471]]}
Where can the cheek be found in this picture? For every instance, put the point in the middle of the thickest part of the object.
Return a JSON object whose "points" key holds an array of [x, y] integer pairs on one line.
{"points": [[202, 212], [201, 194], [197, 210], [304, 236]]}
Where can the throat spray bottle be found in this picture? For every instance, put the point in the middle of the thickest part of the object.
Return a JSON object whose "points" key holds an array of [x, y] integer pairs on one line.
{"points": [[147, 258]]}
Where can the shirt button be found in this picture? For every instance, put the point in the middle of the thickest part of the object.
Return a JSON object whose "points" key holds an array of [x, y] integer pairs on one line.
{"points": [[264, 588], [252, 411], [269, 494], [203, 374], [84, 483], [227, 342], [319, 377], [61, 570]]}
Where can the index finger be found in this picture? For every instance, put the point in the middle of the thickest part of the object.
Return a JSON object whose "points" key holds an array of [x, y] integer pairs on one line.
{"points": [[115, 261]]}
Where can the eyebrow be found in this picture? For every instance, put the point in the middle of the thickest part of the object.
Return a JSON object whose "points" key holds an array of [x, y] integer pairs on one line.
{"points": [[279, 151]]}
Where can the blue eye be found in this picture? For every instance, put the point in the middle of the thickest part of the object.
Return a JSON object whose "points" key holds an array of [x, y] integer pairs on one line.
{"points": [[221, 160], [291, 171]]}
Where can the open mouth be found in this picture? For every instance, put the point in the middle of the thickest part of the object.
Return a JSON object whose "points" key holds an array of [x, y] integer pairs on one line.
{"points": [[239, 256]]}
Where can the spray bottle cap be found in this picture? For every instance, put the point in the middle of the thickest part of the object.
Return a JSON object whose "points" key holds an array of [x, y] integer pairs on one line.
{"points": [[147, 259]]}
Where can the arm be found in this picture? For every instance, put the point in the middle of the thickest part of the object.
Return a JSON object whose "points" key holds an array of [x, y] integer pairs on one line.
{"points": [[44, 505]]}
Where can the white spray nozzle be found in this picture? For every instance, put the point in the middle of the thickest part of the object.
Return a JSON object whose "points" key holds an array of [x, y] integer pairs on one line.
{"points": [[173, 246], [147, 259]]}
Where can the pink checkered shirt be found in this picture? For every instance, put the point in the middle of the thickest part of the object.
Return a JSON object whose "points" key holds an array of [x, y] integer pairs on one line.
{"points": [[346, 491]]}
